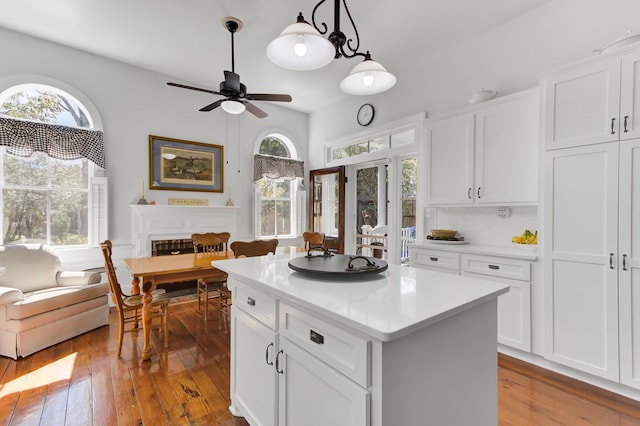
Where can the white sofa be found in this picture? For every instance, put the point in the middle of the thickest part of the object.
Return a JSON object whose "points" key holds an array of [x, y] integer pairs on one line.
{"points": [[41, 305]]}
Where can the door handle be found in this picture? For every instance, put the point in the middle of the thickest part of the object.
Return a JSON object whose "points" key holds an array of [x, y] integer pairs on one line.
{"points": [[478, 192], [251, 301], [613, 121], [469, 193], [266, 354], [278, 369], [433, 259], [626, 117], [494, 267], [624, 262], [610, 260]]}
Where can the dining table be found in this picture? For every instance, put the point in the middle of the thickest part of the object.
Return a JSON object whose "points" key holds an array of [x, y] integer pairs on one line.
{"points": [[154, 270]]}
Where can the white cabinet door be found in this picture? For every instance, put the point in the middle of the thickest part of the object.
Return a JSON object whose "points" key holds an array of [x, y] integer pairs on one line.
{"points": [[581, 294], [629, 267], [253, 376], [313, 394], [506, 158], [630, 97], [449, 162], [582, 105]]}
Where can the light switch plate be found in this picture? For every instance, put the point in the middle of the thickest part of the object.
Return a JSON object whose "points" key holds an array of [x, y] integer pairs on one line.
{"points": [[503, 212]]}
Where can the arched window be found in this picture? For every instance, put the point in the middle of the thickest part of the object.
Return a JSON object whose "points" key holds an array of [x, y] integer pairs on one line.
{"points": [[48, 147], [277, 173]]}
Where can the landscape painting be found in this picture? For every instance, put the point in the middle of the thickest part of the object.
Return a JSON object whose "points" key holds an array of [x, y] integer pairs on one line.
{"points": [[181, 165]]}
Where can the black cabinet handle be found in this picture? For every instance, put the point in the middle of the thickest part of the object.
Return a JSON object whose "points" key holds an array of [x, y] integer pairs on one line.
{"points": [[469, 193], [251, 301], [478, 192], [433, 259], [495, 267], [624, 262], [316, 337], [266, 354], [613, 121], [278, 369], [610, 260], [626, 117]]}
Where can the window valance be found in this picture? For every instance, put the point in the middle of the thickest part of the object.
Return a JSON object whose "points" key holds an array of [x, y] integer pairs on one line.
{"points": [[64, 143], [276, 167]]}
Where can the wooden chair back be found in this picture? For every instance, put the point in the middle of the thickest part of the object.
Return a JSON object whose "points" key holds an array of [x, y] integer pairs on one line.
{"points": [[112, 278], [254, 248], [210, 241], [313, 239]]}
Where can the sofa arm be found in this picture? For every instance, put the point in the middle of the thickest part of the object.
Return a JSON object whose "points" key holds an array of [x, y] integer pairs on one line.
{"points": [[10, 295], [71, 278]]}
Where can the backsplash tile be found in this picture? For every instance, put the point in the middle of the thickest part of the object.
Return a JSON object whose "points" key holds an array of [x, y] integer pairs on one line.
{"points": [[481, 225]]}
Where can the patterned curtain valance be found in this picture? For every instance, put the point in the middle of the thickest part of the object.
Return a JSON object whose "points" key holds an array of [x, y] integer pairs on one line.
{"points": [[64, 143], [276, 167]]}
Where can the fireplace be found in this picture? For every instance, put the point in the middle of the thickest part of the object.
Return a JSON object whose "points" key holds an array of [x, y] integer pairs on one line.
{"points": [[169, 227]]}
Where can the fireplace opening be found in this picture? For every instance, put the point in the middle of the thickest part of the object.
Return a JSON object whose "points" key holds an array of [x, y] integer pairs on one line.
{"points": [[172, 248]]}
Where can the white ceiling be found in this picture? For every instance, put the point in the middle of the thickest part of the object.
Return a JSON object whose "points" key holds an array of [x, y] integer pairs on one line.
{"points": [[186, 39]]}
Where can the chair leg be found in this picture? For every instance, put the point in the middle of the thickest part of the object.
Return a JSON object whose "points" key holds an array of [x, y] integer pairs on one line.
{"points": [[165, 314], [120, 332], [206, 302]]}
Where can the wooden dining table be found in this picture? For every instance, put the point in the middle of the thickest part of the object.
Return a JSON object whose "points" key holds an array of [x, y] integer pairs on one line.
{"points": [[155, 270]]}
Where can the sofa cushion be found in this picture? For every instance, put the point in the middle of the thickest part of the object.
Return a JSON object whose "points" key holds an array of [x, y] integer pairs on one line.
{"points": [[29, 267], [40, 301]]}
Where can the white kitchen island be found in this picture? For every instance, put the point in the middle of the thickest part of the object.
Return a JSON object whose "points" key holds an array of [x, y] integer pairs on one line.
{"points": [[404, 347]]}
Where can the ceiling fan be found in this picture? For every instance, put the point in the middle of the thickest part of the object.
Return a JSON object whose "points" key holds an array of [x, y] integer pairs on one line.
{"points": [[236, 98]]}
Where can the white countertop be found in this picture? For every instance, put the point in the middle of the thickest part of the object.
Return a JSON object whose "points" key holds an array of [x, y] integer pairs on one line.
{"points": [[515, 251], [385, 306]]}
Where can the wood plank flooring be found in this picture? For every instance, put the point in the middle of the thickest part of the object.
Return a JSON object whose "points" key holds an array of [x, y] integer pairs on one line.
{"points": [[81, 382]]}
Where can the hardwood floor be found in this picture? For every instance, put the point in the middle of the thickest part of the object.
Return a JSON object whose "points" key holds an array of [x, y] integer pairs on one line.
{"points": [[81, 382]]}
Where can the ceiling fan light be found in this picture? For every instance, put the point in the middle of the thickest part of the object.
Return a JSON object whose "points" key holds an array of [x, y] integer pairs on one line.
{"points": [[233, 107], [367, 78], [284, 50]]}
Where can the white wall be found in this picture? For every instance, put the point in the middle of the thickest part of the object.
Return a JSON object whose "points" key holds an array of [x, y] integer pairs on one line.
{"points": [[135, 103], [508, 58]]}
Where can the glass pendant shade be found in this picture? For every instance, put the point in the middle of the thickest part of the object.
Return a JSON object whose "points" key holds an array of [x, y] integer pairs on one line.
{"points": [[367, 78], [233, 107], [300, 47]]}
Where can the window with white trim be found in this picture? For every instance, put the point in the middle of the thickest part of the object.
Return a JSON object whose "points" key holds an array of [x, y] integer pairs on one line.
{"points": [[49, 191], [278, 206]]}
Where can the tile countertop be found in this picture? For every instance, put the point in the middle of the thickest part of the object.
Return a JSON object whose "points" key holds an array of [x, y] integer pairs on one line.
{"points": [[524, 252], [385, 306]]}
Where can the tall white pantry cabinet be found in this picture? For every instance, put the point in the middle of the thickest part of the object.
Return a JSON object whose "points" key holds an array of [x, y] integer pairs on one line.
{"points": [[592, 216]]}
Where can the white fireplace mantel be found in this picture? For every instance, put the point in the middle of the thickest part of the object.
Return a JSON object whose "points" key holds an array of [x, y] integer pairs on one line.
{"points": [[164, 222]]}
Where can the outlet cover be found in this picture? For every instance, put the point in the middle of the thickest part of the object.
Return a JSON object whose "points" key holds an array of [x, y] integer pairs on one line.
{"points": [[503, 212]]}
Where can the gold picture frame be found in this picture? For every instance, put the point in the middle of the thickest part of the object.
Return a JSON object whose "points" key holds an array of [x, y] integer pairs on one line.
{"points": [[181, 165]]}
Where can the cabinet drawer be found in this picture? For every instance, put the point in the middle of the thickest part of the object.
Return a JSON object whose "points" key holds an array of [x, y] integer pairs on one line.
{"points": [[497, 267], [253, 302], [435, 259], [345, 351]]}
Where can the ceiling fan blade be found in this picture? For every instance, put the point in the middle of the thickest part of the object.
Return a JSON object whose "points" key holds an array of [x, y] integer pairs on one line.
{"points": [[255, 110], [214, 105], [183, 86], [232, 81], [268, 97]]}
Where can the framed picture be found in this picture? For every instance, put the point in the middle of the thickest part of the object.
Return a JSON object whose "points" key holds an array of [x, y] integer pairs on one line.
{"points": [[180, 165]]}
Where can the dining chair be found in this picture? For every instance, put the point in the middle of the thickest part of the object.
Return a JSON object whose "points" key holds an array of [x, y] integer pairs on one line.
{"points": [[129, 307], [210, 242], [245, 249], [313, 240]]}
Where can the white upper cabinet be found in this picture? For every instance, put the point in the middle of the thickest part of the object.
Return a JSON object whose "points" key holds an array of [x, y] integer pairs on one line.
{"points": [[506, 166], [598, 102], [450, 160], [488, 154]]}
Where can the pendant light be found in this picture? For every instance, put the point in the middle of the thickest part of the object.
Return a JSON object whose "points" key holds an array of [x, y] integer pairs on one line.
{"points": [[301, 46]]}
